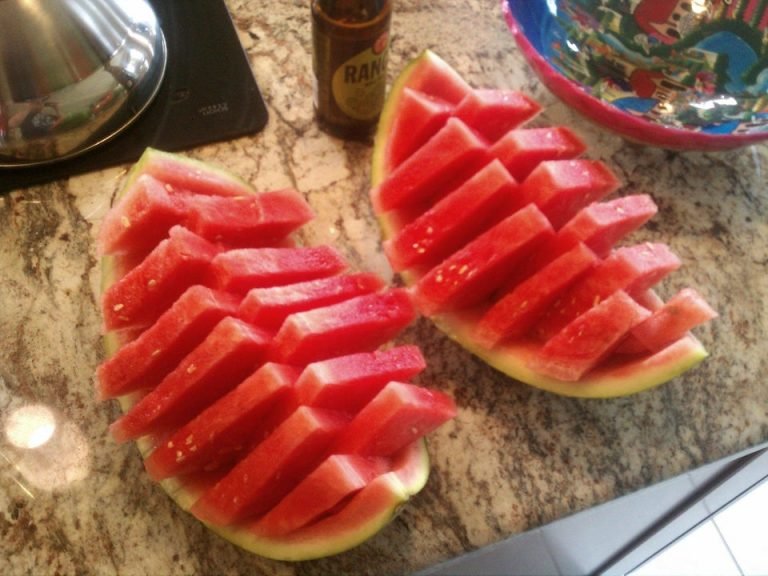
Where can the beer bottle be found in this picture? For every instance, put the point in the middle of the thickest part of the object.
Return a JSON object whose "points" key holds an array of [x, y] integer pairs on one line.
{"points": [[350, 46]]}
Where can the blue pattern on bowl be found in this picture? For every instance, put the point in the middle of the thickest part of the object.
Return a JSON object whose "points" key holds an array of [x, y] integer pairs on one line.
{"points": [[697, 65]]}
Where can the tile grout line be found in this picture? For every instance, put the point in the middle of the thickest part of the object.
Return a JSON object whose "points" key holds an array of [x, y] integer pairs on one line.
{"points": [[728, 547]]}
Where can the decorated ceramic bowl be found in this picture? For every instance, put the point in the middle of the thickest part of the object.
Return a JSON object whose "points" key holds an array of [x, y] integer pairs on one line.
{"points": [[683, 74]]}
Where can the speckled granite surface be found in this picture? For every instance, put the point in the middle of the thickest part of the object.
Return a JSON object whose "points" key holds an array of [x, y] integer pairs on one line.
{"points": [[513, 459]]}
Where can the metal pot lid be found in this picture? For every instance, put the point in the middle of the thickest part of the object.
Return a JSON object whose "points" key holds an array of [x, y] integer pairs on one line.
{"points": [[73, 74]]}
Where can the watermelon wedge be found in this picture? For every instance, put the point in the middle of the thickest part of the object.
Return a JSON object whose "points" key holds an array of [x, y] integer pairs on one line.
{"points": [[420, 119], [227, 427], [360, 323], [493, 113], [485, 198], [241, 270], [585, 341], [269, 307], [147, 211], [520, 151], [474, 272], [145, 361], [337, 478], [141, 296], [230, 351], [515, 313], [233, 434], [454, 153], [265, 218], [348, 383], [272, 469]]}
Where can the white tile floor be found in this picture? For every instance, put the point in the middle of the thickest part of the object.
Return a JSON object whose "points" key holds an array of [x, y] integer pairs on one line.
{"points": [[733, 542]]}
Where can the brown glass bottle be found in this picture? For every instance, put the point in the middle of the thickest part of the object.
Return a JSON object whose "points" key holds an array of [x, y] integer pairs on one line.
{"points": [[350, 47]]}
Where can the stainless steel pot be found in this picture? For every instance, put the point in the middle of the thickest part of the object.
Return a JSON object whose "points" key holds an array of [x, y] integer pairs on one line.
{"points": [[73, 74]]}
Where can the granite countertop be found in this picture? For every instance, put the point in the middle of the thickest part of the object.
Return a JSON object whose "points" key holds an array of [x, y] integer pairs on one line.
{"points": [[514, 458]]}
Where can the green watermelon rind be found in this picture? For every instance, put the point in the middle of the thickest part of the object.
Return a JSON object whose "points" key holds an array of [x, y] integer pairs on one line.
{"points": [[303, 544], [151, 156], [512, 359], [623, 379], [312, 543]]}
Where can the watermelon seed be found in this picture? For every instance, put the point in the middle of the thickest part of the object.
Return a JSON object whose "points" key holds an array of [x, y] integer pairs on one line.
{"points": [[118, 307], [152, 283], [191, 368], [125, 221]]}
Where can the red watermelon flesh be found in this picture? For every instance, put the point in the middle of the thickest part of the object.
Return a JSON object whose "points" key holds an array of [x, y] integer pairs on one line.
{"points": [[523, 149], [359, 324], [494, 112], [269, 307], [473, 273], [228, 426], [483, 200], [600, 226], [630, 268], [560, 188], [230, 352], [150, 288], [145, 361], [670, 322], [439, 166], [440, 80], [347, 383], [272, 469], [328, 486], [419, 119], [399, 414], [513, 315], [182, 174], [141, 219], [253, 220], [243, 269], [584, 342]]}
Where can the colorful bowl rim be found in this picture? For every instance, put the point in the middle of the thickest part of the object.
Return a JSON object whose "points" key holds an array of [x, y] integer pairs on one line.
{"points": [[631, 127]]}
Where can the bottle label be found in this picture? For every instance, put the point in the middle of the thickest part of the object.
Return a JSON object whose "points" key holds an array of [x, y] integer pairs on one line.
{"points": [[358, 85]]}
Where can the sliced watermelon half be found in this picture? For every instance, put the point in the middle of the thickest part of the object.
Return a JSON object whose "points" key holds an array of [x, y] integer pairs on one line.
{"points": [[363, 516], [568, 187], [215, 417]]}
